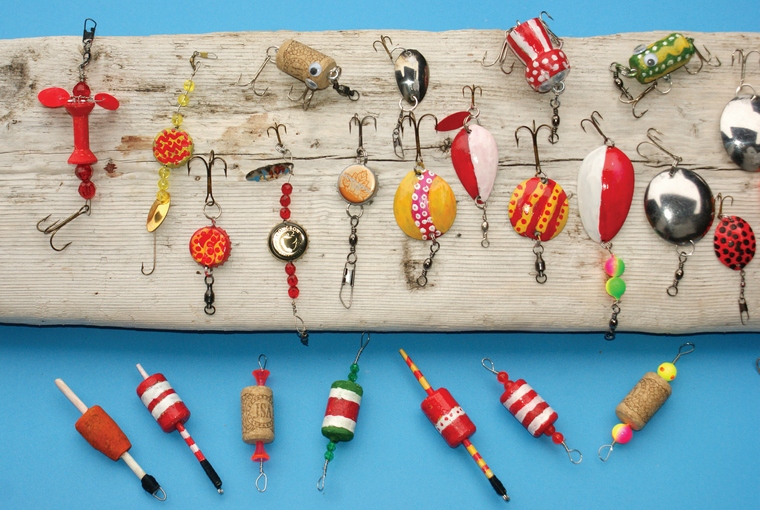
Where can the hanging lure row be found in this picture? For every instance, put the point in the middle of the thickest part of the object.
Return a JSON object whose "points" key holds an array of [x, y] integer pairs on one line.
{"points": [[103, 434], [533, 413], [643, 401], [172, 147], [357, 185], [605, 194], [450, 420], [257, 411], [342, 410], [171, 413], [79, 104]]}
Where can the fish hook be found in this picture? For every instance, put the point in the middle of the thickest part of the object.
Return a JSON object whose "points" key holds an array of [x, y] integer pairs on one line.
{"points": [[534, 135], [209, 165], [53, 229], [142, 267], [594, 119], [252, 83], [414, 122], [655, 140]]}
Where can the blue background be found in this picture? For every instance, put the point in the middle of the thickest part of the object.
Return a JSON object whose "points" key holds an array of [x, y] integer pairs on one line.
{"points": [[699, 451]]}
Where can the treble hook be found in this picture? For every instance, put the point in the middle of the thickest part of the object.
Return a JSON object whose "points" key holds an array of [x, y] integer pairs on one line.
{"points": [[472, 89], [703, 60], [503, 52], [594, 119], [258, 73], [720, 198], [534, 135], [142, 266], [553, 36], [360, 123], [742, 57], [53, 229], [655, 140], [209, 188], [385, 41], [413, 121], [305, 97]]}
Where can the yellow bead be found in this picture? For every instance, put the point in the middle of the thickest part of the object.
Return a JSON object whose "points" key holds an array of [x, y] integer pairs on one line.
{"points": [[183, 100], [162, 196], [163, 184], [164, 172], [189, 85], [667, 371], [177, 119]]}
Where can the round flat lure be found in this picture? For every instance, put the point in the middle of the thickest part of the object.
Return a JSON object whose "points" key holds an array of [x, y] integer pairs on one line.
{"points": [[357, 184], [605, 192], [734, 242], [475, 157], [424, 205], [288, 241], [679, 205], [412, 76], [172, 147], [740, 131], [210, 246], [537, 207]]}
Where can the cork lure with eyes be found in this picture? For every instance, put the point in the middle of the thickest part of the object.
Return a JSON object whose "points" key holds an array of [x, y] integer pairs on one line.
{"points": [[315, 69], [546, 65], [650, 63]]}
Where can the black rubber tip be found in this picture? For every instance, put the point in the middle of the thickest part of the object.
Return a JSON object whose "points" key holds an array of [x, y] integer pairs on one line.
{"points": [[499, 488], [209, 469], [152, 487]]}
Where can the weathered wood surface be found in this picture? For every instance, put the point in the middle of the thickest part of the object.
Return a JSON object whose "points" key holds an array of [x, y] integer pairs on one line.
{"points": [[97, 280]]}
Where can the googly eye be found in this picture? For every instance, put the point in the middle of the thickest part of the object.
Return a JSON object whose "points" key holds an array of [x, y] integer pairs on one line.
{"points": [[641, 48], [315, 69], [650, 59]]}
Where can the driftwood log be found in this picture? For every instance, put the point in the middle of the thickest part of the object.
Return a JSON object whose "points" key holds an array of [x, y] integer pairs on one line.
{"points": [[97, 279]]}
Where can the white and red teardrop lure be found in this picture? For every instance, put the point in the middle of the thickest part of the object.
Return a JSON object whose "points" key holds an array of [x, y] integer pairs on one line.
{"points": [[605, 192]]}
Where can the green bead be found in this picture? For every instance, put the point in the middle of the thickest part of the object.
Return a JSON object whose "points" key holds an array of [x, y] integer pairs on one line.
{"points": [[352, 377], [331, 446], [329, 455], [354, 368], [615, 287]]}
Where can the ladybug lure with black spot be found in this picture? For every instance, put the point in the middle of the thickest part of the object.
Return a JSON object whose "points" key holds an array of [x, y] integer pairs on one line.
{"points": [[734, 243]]}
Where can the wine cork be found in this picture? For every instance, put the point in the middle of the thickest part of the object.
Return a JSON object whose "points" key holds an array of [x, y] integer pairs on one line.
{"points": [[305, 64], [103, 433], [258, 414], [643, 401]]}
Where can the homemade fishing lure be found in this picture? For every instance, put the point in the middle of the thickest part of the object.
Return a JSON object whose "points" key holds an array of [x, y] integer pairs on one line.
{"points": [[257, 411], [740, 121], [79, 104]]}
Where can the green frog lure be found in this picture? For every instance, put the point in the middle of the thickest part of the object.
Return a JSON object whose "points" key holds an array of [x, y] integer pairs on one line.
{"points": [[649, 64]]}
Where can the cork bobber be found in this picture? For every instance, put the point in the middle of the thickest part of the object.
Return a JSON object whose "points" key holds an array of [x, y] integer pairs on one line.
{"points": [[642, 402], [257, 411]]}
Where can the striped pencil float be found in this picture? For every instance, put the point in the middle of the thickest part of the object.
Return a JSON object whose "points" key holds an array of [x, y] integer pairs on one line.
{"points": [[450, 420], [170, 412]]}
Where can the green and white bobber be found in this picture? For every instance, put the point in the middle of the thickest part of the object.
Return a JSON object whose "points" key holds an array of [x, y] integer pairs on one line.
{"points": [[342, 411]]}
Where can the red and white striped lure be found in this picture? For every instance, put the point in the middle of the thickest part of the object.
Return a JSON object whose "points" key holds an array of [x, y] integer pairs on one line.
{"points": [[546, 65]]}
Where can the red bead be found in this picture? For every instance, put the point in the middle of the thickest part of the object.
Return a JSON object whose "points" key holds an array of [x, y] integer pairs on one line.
{"points": [[293, 292], [550, 430], [292, 280], [290, 268], [285, 213], [81, 89], [285, 200], [84, 172], [558, 438], [502, 377], [287, 188], [87, 190]]}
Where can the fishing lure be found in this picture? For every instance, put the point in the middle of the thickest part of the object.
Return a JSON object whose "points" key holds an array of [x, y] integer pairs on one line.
{"points": [[740, 121], [210, 246], [735, 245], [257, 410], [474, 154], [679, 206], [527, 406], [642, 402], [342, 410], [546, 65], [450, 420], [78, 104], [650, 63], [605, 192], [424, 205], [357, 185], [412, 77], [103, 434], [315, 69], [171, 413], [287, 240], [172, 148], [538, 207]]}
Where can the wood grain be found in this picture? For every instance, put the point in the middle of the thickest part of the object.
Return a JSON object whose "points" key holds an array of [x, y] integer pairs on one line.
{"points": [[97, 280]]}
